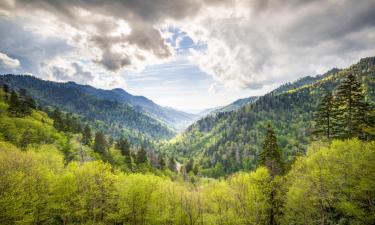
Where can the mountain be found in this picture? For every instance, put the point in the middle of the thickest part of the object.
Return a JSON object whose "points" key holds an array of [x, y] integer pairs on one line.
{"points": [[174, 118], [115, 111], [226, 142], [231, 107], [236, 104]]}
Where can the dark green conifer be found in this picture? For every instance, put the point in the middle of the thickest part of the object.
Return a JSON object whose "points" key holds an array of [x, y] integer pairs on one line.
{"points": [[86, 135], [123, 145], [14, 104], [141, 156], [100, 143], [324, 116], [271, 157], [351, 109]]}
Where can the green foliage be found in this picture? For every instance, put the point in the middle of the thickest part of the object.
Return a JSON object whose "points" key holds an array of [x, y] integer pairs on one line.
{"points": [[86, 135], [324, 116], [351, 107], [100, 143], [333, 185], [224, 143], [141, 156], [271, 156], [96, 107], [20, 106]]}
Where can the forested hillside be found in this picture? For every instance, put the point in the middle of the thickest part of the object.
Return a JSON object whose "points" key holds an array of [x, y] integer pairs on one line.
{"points": [[227, 142], [25, 127], [105, 110], [56, 169]]}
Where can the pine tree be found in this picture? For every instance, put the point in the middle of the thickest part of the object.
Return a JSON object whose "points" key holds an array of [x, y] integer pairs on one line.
{"points": [[100, 144], [161, 161], [14, 104], [57, 119], [324, 116], [123, 145], [351, 109], [141, 156], [271, 154], [86, 135], [6, 88], [272, 159]]}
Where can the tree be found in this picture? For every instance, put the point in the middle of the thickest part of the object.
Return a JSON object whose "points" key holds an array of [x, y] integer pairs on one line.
{"points": [[123, 145], [86, 135], [272, 159], [161, 161], [141, 156], [6, 88], [57, 119], [100, 143], [172, 164], [351, 109], [25, 139], [324, 116], [271, 156], [14, 104]]}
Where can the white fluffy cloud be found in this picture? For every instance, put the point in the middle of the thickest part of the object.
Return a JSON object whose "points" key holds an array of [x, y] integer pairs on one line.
{"points": [[249, 43], [8, 62], [255, 43]]}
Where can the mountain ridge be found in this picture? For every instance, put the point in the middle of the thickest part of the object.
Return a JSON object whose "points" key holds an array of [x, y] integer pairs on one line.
{"points": [[226, 142], [97, 106]]}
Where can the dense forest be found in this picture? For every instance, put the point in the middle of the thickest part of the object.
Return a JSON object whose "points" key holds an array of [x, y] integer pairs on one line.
{"points": [[302, 154], [226, 142], [114, 111]]}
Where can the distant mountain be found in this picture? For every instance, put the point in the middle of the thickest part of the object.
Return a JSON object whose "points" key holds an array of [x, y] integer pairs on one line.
{"points": [[115, 110], [172, 117], [231, 107], [236, 104], [225, 142]]}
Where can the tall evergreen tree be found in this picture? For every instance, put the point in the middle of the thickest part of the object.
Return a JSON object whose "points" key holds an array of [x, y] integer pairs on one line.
{"points": [[14, 104], [57, 119], [6, 88], [123, 145], [324, 116], [351, 109], [271, 155], [86, 135], [100, 143], [141, 156], [272, 159]]}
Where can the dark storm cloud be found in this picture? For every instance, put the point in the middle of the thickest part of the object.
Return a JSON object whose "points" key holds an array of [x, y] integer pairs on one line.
{"points": [[141, 15], [250, 43]]}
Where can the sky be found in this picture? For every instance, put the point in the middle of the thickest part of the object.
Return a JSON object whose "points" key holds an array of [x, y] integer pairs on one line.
{"points": [[186, 54]]}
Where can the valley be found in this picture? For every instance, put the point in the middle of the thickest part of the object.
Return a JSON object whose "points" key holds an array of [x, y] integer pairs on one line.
{"points": [[66, 147]]}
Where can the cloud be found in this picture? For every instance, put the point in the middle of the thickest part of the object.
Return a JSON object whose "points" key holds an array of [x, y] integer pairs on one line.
{"points": [[240, 43], [74, 72], [117, 34], [255, 43], [8, 62]]}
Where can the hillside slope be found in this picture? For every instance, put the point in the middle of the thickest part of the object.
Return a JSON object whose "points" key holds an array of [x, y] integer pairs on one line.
{"points": [[106, 108], [230, 141]]}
